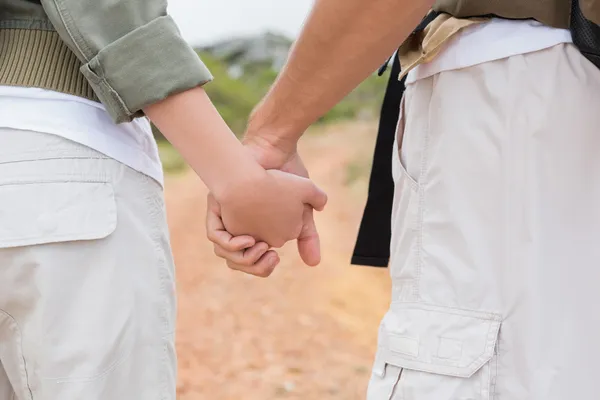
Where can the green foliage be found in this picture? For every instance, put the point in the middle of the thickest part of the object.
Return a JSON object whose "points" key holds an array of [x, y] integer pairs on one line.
{"points": [[358, 170], [171, 159], [236, 96], [362, 102]]}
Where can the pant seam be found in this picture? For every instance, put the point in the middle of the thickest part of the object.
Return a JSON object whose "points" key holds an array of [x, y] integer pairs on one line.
{"points": [[23, 366], [155, 211], [421, 197]]}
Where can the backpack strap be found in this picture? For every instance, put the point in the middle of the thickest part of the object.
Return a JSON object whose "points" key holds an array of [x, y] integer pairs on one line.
{"points": [[373, 244], [586, 34]]}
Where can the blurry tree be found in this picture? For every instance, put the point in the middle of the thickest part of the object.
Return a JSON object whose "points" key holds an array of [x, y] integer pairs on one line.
{"points": [[244, 69]]}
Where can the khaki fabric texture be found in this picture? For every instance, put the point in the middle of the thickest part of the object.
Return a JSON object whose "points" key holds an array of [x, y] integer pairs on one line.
{"points": [[87, 280], [495, 226]]}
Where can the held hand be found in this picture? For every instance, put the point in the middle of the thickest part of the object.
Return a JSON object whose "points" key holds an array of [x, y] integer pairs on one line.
{"points": [[269, 207], [244, 253], [286, 158]]}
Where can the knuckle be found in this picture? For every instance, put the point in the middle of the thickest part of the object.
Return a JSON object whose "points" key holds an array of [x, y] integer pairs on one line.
{"points": [[245, 262], [218, 251], [226, 246], [254, 259], [211, 235], [233, 266]]}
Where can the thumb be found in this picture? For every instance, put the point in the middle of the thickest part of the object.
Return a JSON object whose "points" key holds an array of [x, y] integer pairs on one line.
{"points": [[314, 196], [309, 245]]}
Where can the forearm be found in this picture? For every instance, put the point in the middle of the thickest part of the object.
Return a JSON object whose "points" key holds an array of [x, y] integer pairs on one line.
{"points": [[192, 124], [342, 43]]}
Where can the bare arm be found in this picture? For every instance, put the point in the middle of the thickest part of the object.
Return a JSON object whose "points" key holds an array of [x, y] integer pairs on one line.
{"points": [[342, 43], [267, 205], [192, 124]]}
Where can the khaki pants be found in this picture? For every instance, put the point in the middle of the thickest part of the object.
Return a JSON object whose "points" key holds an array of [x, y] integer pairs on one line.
{"points": [[87, 297], [496, 235]]}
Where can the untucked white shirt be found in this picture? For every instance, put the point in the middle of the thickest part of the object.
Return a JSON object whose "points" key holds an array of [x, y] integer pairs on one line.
{"points": [[490, 41], [82, 121]]}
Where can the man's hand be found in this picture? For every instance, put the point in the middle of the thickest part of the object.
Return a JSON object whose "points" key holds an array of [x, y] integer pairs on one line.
{"points": [[243, 253], [287, 159], [339, 47]]}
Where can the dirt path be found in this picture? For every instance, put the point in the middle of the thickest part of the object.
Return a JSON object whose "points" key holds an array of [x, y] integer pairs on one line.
{"points": [[301, 334]]}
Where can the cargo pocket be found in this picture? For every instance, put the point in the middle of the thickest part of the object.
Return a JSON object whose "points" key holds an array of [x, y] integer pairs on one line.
{"points": [[435, 353], [34, 213], [400, 171]]}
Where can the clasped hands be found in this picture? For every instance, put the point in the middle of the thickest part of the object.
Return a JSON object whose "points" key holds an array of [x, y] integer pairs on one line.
{"points": [[263, 213]]}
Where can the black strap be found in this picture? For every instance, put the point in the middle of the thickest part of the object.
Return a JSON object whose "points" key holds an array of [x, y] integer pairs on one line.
{"points": [[373, 244], [585, 33]]}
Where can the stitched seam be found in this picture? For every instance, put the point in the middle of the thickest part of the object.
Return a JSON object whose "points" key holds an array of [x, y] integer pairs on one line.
{"points": [[64, 14], [108, 87], [50, 158], [77, 236], [108, 370], [477, 363], [63, 178], [398, 148], [495, 378], [23, 366], [491, 340], [489, 316], [161, 264], [421, 210], [395, 387]]}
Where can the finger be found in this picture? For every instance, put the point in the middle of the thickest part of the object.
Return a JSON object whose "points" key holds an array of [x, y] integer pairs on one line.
{"points": [[310, 193], [216, 232], [315, 197], [263, 268], [245, 258], [309, 245]]}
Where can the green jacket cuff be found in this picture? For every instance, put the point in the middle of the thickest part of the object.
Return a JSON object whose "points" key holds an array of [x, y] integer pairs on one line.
{"points": [[144, 67]]}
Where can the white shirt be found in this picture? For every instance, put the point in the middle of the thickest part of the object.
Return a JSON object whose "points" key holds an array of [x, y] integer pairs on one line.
{"points": [[82, 121], [489, 41]]}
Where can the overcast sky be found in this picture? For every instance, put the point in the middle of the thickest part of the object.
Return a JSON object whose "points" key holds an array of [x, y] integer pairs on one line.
{"points": [[203, 21]]}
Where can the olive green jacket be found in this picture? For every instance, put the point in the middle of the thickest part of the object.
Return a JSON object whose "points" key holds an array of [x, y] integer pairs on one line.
{"points": [[125, 53]]}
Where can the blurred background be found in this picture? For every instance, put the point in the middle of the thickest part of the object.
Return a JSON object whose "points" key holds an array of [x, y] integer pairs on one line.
{"points": [[304, 333]]}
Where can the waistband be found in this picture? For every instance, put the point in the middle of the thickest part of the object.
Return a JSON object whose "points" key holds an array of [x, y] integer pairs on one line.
{"points": [[39, 58]]}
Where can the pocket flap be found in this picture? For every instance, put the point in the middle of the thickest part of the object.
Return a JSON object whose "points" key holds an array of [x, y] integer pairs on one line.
{"points": [[438, 340], [35, 213]]}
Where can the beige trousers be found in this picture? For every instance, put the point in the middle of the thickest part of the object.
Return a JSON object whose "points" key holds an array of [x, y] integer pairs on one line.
{"points": [[87, 297], [496, 235]]}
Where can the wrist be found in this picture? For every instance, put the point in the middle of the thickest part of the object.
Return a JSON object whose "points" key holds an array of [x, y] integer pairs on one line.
{"points": [[273, 129], [242, 177]]}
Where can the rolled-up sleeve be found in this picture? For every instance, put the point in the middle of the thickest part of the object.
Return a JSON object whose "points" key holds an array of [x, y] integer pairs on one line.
{"points": [[132, 52]]}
